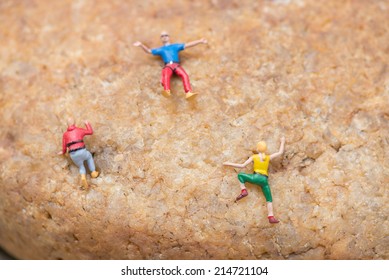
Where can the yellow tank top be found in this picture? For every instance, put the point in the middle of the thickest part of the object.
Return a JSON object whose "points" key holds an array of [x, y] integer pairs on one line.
{"points": [[261, 167]]}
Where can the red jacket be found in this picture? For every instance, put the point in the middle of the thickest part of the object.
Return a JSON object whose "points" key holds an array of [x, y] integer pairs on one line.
{"points": [[73, 137]]}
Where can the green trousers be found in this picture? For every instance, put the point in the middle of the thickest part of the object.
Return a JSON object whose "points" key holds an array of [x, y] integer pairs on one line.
{"points": [[259, 180]]}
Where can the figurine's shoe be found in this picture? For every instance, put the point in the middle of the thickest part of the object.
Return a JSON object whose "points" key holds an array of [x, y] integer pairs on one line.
{"points": [[95, 174], [84, 183], [243, 194], [190, 95], [166, 93], [273, 220]]}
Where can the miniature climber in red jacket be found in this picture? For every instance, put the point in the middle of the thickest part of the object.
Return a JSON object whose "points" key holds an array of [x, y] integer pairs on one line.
{"points": [[73, 139]]}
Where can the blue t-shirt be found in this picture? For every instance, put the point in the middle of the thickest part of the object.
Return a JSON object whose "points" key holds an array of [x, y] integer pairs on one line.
{"points": [[169, 52]]}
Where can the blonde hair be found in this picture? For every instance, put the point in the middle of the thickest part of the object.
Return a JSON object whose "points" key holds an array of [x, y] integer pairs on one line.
{"points": [[70, 121], [261, 147]]}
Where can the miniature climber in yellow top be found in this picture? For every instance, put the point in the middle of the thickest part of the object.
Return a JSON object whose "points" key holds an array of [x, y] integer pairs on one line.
{"points": [[260, 175]]}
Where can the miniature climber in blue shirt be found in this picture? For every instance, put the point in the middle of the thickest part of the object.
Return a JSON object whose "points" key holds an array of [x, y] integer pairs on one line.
{"points": [[169, 54]]}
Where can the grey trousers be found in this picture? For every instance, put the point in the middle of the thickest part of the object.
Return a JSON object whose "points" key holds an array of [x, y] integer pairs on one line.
{"points": [[79, 157]]}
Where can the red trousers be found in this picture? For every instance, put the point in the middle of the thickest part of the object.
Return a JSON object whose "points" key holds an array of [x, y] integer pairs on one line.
{"points": [[168, 71]]}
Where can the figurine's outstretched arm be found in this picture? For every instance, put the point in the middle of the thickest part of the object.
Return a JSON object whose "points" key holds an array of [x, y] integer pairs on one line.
{"points": [[89, 129], [281, 151], [144, 47], [195, 43], [63, 147], [237, 165]]}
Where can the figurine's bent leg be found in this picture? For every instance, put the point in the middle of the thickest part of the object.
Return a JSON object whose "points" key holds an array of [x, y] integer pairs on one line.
{"points": [[185, 78], [166, 74], [269, 201], [189, 94], [91, 165], [78, 157], [89, 161], [243, 178]]}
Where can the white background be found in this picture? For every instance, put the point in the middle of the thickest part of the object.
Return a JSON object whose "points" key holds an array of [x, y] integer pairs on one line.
{"points": [[111, 270]]}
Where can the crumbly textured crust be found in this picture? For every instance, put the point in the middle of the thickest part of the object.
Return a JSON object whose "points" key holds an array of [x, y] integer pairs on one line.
{"points": [[314, 71]]}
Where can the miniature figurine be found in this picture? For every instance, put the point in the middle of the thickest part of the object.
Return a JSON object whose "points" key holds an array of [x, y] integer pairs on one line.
{"points": [[169, 54], [260, 175], [73, 140]]}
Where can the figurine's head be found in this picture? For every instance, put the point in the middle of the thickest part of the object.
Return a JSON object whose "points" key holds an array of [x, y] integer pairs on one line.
{"points": [[165, 37], [70, 122], [261, 147]]}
